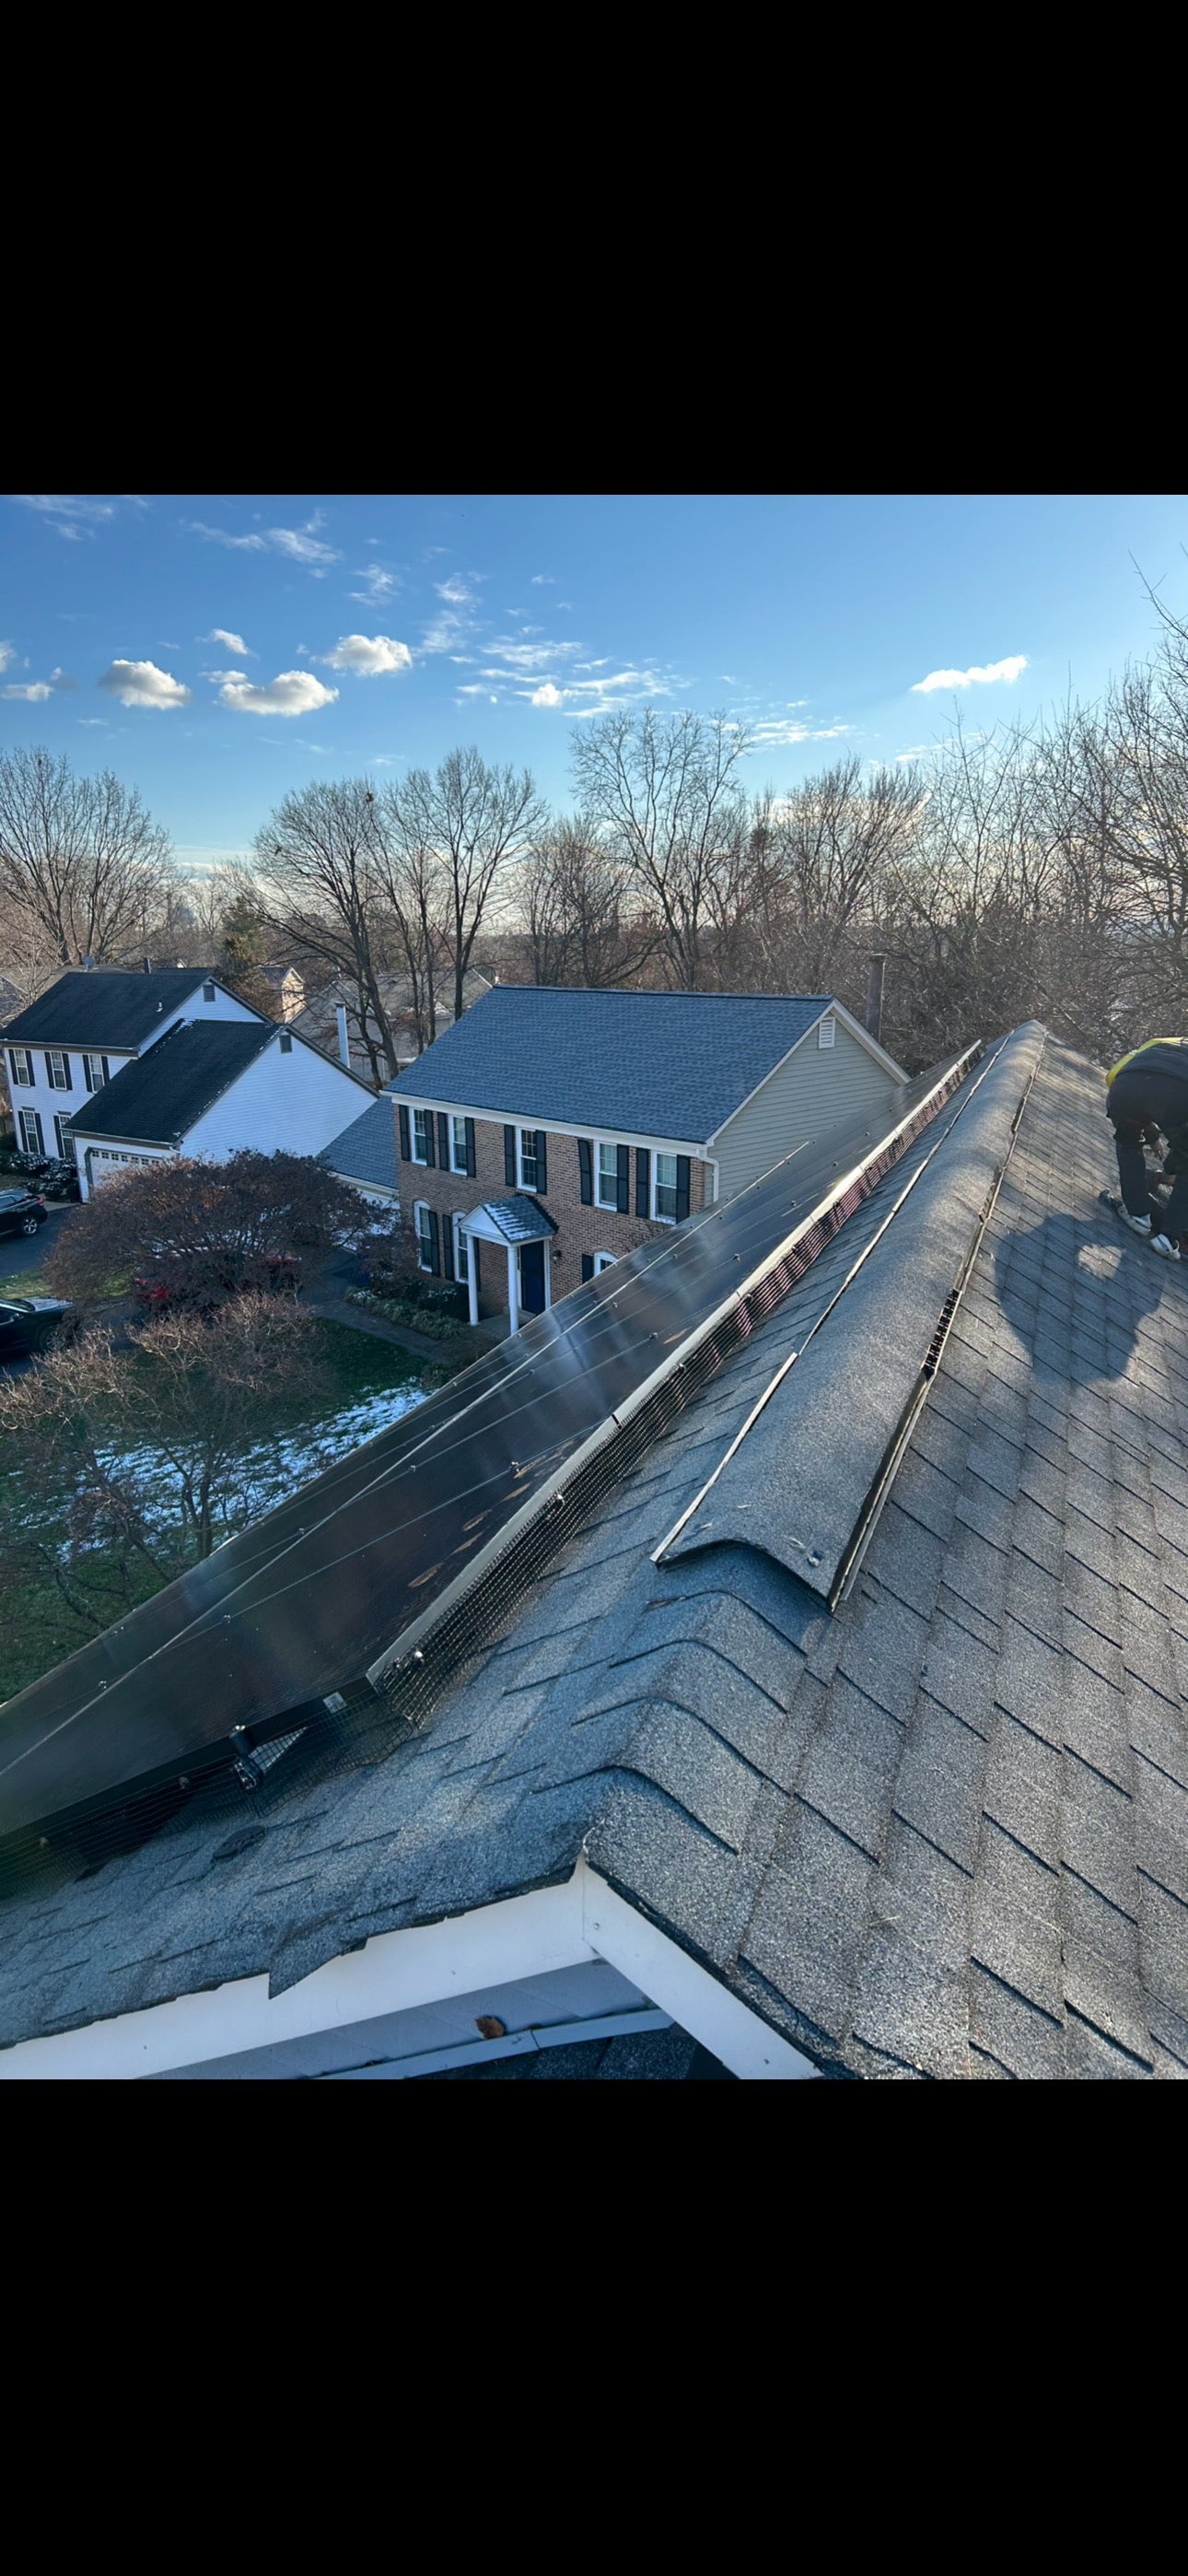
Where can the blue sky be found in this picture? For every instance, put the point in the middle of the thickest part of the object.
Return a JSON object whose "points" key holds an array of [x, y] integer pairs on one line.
{"points": [[221, 650]]}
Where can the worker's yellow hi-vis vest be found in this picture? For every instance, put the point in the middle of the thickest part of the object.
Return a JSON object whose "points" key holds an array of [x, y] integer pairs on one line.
{"points": [[1145, 1048]]}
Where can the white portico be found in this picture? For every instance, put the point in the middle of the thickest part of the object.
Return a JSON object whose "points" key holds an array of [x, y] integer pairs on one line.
{"points": [[524, 1232]]}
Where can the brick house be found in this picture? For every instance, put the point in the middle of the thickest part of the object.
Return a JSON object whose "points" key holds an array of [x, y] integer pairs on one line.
{"points": [[552, 1130]]}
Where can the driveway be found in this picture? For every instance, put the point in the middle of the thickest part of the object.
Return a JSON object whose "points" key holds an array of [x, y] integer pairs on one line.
{"points": [[26, 1252]]}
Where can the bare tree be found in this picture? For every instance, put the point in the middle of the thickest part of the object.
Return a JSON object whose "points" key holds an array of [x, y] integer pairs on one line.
{"points": [[81, 859], [322, 886], [575, 908], [473, 818], [664, 792], [416, 888]]}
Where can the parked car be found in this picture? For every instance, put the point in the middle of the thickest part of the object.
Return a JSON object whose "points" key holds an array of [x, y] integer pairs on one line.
{"points": [[27, 1323], [21, 1212], [164, 1288]]}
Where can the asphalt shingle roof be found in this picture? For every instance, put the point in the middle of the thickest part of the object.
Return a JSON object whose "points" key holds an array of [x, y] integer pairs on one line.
{"points": [[366, 1150], [104, 1009], [159, 1097], [648, 1064], [941, 1832]]}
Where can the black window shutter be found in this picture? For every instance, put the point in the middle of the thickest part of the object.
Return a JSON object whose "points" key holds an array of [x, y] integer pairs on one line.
{"points": [[587, 1265], [69, 1075], [434, 1244], [643, 1180], [443, 1142], [586, 1164], [624, 1178], [429, 1154], [510, 1173], [471, 1162], [106, 1075], [49, 1070], [542, 1160], [447, 1247], [405, 1146], [682, 1186]]}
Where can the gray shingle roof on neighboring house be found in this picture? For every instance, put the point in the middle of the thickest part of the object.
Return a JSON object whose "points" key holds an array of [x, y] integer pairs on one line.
{"points": [[366, 1150], [159, 1097], [939, 1832], [103, 1008], [648, 1064]]}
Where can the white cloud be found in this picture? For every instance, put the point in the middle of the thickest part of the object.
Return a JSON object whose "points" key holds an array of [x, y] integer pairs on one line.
{"points": [[978, 675], [234, 643], [73, 514], [915, 751], [547, 697], [35, 690], [775, 732], [7, 655], [519, 656], [446, 631], [100, 721], [454, 591], [305, 546], [539, 580], [592, 697], [141, 684], [381, 586], [368, 655], [302, 545], [292, 693], [221, 536]]}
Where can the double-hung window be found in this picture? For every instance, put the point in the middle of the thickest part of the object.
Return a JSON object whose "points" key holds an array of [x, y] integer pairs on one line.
{"points": [[664, 1189], [606, 1176], [57, 1069], [425, 1246], [458, 1162], [529, 1159], [461, 1249], [422, 1135], [65, 1141], [95, 1071], [22, 1067], [32, 1140]]}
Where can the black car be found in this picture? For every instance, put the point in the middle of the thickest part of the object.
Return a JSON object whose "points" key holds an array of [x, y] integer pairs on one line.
{"points": [[26, 1323], [21, 1212]]}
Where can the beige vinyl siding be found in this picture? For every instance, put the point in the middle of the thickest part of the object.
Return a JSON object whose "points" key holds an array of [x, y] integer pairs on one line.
{"points": [[814, 1088]]}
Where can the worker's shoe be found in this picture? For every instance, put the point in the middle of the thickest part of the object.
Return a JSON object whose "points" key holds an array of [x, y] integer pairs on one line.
{"points": [[1163, 1245], [1137, 1224]]}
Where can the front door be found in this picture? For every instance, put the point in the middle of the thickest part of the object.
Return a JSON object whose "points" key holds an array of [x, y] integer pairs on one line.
{"points": [[532, 1278]]}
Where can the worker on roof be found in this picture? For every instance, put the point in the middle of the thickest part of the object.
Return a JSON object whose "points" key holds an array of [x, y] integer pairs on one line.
{"points": [[1147, 1092]]}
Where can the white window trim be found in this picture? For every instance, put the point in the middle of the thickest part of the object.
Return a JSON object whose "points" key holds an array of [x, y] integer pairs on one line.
{"points": [[653, 1186], [422, 1159], [461, 1248], [521, 1132], [38, 1147], [604, 1261], [422, 1264], [55, 1056], [21, 1081], [461, 1170], [63, 1141], [609, 1207]]}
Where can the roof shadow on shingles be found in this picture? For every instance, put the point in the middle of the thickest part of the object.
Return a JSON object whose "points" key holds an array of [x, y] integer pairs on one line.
{"points": [[366, 1150], [104, 1009], [157, 1099], [658, 1064]]}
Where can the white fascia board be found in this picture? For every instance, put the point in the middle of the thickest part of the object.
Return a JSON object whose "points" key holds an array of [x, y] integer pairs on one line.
{"points": [[557, 1127], [524, 1936]]}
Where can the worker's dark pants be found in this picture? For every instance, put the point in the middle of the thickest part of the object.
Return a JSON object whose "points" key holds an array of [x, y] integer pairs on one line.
{"points": [[1137, 1100]]}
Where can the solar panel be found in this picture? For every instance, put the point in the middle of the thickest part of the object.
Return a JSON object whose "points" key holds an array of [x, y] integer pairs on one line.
{"points": [[334, 1589]]}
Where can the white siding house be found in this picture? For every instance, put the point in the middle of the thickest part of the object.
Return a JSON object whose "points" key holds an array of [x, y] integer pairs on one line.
{"points": [[212, 1091], [76, 1037], [834, 1072]]}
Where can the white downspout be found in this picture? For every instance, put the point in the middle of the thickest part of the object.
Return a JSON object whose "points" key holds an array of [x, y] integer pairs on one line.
{"points": [[471, 1281], [548, 1264], [513, 1288]]}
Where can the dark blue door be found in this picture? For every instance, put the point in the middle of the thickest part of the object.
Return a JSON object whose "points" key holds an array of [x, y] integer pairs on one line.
{"points": [[532, 1278]]}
